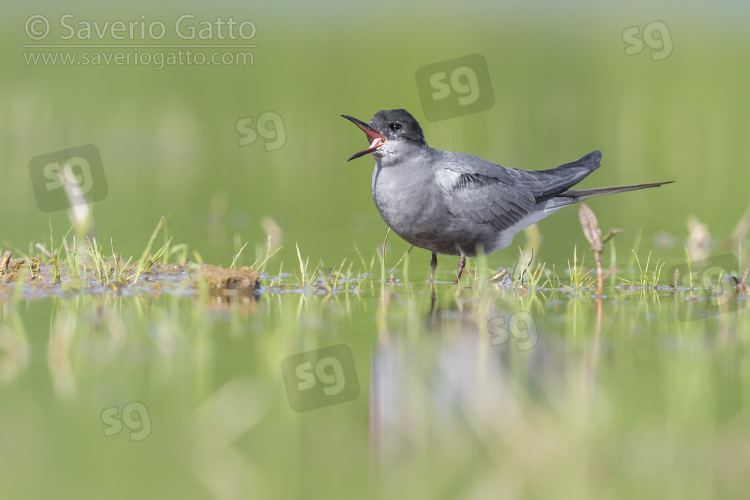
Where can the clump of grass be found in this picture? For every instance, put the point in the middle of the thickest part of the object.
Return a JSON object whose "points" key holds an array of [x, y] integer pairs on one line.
{"points": [[380, 253], [689, 262], [389, 277], [236, 256], [330, 280], [90, 258], [580, 279], [348, 276], [56, 256], [647, 279], [75, 266], [528, 278], [98, 264], [106, 273], [367, 270], [263, 255], [117, 261], [302, 267], [145, 262]]}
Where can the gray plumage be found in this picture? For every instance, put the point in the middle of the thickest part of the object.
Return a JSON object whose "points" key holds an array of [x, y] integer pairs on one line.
{"points": [[455, 203]]}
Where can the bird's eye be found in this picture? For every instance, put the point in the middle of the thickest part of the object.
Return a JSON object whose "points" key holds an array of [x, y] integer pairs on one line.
{"points": [[395, 126]]}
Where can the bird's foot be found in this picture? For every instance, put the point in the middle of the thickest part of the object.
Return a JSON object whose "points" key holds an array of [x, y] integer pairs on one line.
{"points": [[461, 265], [433, 265]]}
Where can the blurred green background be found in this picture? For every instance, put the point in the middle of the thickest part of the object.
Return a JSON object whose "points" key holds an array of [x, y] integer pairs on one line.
{"points": [[644, 406], [562, 83]]}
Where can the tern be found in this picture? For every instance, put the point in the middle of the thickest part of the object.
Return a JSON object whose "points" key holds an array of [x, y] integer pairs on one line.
{"points": [[456, 203]]}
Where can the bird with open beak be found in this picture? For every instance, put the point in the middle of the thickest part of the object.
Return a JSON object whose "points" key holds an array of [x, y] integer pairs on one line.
{"points": [[456, 203]]}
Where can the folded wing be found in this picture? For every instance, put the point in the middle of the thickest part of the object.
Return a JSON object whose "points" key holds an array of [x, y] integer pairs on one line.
{"points": [[490, 194]]}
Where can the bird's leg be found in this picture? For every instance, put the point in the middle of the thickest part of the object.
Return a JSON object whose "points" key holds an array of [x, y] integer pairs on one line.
{"points": [[433, 265], [461, 265]]}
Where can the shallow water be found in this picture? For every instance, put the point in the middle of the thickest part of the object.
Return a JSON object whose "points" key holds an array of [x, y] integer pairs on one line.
{"points": [[477, 391]]}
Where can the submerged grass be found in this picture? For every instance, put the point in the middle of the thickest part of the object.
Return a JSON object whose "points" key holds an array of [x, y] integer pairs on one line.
{"points": [[87, 264]]}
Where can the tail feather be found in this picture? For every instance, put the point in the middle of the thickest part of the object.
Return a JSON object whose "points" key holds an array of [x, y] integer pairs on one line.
{"points": [[577, 195], [551, 188], [553, 182], [583, 194]]}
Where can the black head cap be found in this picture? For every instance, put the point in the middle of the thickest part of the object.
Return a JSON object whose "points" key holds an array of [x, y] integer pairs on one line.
{"points": [[398, 124]]}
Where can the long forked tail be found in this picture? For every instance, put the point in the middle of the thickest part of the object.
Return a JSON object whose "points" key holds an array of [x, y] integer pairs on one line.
{"points": [[583, 194]]}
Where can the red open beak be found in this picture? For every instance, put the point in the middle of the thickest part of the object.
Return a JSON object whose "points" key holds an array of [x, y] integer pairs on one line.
{"points": [[376, 138]]}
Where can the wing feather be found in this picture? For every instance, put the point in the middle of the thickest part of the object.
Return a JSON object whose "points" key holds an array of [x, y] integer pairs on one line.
{"points": [[487, 200], [487, 193]]}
